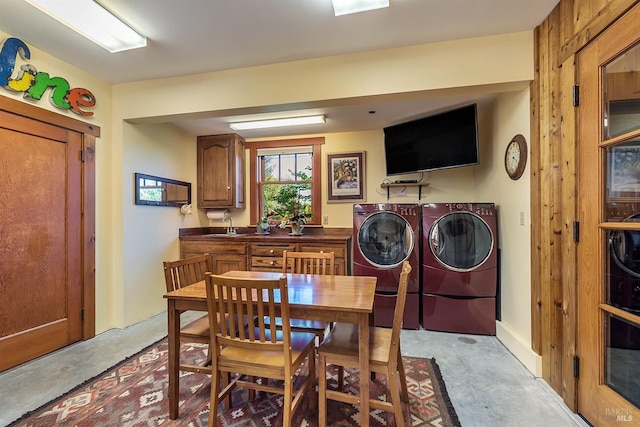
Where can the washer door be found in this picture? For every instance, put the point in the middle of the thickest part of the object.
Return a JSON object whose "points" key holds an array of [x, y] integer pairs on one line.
{"points": [[625, 248], [385, 239], [461, 241]]}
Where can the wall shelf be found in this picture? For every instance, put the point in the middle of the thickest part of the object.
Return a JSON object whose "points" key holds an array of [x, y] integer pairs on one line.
{"points": [[404, 184]]}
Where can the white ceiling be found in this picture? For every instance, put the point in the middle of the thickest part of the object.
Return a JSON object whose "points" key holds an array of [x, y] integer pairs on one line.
{"points": [[195, 36]]}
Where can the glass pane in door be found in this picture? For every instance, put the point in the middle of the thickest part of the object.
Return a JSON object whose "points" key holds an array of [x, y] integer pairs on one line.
{"points": [[385, 239], [461, 241], [622, 93], [623, 358], [622, 171]]}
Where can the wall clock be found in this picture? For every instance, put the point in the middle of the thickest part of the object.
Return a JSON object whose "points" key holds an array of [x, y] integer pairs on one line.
{"points": [[515, 157]]}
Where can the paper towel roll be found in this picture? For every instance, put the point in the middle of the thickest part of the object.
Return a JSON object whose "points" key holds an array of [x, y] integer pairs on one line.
{"points": [[217, 214]]}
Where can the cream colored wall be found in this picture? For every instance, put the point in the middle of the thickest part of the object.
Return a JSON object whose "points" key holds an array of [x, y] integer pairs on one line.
{"points": [[510, 117], [102, 118], [150, 232]]}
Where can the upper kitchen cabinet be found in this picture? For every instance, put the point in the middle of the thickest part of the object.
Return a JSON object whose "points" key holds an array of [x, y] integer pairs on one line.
{"points": [[220, 171]]}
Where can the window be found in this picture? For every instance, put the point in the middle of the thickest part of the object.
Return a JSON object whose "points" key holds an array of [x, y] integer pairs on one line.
{"points": [[285, 174]]}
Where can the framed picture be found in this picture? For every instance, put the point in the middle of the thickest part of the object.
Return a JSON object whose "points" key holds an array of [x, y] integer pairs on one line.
{"points": [[624, 179], [346, 174]]}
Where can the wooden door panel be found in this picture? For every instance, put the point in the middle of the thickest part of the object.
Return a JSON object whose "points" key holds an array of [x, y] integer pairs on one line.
{"points": [[40, 240], [603, 204]]}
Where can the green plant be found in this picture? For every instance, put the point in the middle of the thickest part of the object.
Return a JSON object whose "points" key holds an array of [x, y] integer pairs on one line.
{"points": [[289, 202]]}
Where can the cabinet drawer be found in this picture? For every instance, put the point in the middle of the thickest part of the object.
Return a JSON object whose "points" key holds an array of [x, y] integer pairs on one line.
{"points": [[338, 250], [266, 262], [271, 250], [213, 247]]}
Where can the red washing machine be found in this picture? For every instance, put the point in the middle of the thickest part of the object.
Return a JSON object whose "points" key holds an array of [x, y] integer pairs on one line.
{"points": [[459, 267], [385, 236]]}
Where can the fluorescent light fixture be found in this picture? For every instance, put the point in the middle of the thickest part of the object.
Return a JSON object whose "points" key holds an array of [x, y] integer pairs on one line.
{"points": [[272, 123], [344, 7], [94, 22]]}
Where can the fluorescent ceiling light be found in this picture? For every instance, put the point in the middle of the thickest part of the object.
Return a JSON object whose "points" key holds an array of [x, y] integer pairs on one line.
{"points": [[344, 7], [272, 123], [94, 22]]}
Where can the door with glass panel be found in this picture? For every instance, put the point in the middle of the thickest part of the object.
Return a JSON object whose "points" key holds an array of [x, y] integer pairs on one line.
{"points": [[608, 343]]}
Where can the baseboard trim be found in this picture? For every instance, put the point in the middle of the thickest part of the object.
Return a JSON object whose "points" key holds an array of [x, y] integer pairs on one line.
{"points": [[521, 350]]}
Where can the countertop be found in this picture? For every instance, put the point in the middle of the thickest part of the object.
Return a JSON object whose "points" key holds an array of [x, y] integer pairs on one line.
{"points": [[246, 234]]}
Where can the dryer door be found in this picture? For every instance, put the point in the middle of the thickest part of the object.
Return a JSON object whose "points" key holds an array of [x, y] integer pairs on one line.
{"points": [[461, 241], [624, 268], [385, 239]]}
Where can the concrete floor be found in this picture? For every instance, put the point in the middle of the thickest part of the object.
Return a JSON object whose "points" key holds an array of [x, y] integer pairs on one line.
{"points": [[487, 385]]}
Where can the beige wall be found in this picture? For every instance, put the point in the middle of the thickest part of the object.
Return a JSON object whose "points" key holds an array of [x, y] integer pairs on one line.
{"points": [[511, 117], [132, 241], [150, 232]]}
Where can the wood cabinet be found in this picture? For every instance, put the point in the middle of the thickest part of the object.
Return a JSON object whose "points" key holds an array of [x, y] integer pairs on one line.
{"points": [[255, 253], [267, 256], [226, 255], [221, 171]]}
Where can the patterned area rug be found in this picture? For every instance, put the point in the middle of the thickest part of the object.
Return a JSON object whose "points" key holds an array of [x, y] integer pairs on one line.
{"points": [[134, 393]]}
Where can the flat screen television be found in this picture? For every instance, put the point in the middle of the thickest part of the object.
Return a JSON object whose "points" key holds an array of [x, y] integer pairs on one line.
{"points": [[441, 141]]}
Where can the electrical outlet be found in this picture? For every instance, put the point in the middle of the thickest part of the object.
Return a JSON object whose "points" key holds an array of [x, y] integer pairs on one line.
{"points": [[325, 219], [521, 218]]}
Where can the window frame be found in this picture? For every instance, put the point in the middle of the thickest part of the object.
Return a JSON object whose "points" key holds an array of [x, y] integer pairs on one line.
{"points": [[316, 189]]}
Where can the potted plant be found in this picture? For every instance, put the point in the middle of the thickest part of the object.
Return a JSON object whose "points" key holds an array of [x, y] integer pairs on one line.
{"points": [[296, 219], [263, 226]]}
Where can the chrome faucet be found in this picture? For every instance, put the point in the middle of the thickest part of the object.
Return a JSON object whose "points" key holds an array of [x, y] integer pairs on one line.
{"points": [[230, 230]]}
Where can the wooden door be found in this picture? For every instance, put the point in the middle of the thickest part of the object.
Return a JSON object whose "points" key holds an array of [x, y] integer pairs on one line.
{"points": [[608, 335], [41, 238]]}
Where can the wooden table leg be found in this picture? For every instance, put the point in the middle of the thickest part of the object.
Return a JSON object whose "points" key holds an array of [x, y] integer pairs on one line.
{"points": [[363, 343], [174, 354]]}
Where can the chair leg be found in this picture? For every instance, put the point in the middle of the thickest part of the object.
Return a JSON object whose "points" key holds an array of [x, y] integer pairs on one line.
{"points": [[394, 394], [226, 381], [287, 403], [340, 377], [313, 395], [322, 391], [403, 378], [213, 398]]}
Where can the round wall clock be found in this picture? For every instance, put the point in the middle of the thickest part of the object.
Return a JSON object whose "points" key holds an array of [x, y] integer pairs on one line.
{"points": [[515, 157]]}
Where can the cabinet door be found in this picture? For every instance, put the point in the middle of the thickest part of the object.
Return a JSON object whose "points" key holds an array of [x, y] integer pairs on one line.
{"points": [[223, 263], [220, 171]]}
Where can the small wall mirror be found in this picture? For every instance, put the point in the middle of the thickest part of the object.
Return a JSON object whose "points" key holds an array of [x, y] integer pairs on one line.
{"points": [[157, 191]]}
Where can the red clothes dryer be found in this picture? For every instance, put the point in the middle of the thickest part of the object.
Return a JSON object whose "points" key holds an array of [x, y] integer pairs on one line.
{"points": [[386, 235], [459, 267]]}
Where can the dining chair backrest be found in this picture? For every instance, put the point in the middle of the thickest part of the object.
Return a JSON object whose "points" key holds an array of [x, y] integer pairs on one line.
{"points": [[186, 271], [235, 298], [308, 262], [398, 312]]}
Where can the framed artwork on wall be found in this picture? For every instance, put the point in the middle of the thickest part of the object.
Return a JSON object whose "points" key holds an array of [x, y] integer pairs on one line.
{"points": [[346, 176]]}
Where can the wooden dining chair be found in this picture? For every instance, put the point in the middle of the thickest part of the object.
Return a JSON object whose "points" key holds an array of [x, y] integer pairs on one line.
{"points": [[309, 263], [178, 274], [263, 351], [340, 348]]}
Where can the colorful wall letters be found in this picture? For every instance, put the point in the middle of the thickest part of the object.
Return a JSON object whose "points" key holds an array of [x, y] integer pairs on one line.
{"points": [[34, 83]]}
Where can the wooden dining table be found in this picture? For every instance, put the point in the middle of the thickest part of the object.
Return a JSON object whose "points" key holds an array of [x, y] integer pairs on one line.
{"points": [[347, 299]]}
